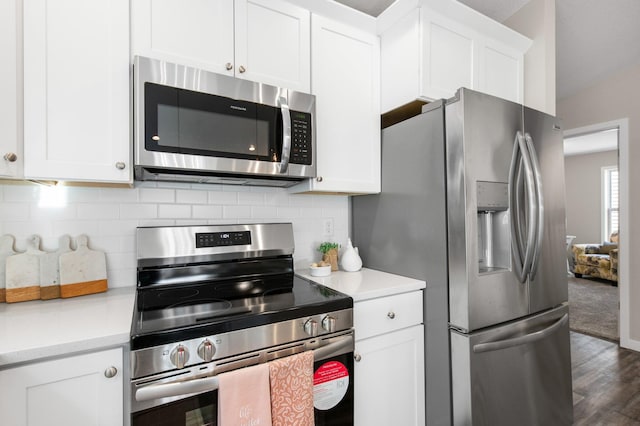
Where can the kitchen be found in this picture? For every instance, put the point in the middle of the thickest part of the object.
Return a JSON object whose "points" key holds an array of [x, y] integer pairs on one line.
{"points": [[348, 157]]}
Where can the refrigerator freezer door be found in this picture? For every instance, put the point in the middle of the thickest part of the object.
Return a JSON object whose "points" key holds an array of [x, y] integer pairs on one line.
{"points": [[548, 283], [514, 374]]}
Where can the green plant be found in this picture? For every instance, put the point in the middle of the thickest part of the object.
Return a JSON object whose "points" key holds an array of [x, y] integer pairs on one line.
{"points": [[326, 246]]}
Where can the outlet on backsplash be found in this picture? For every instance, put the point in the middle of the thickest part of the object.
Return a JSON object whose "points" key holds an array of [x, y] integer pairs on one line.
{"points": [[327, 227]]}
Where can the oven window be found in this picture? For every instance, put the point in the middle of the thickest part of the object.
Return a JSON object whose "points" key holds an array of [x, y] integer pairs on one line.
{"points": [[340, 411], [187, 122], [199, 410]]}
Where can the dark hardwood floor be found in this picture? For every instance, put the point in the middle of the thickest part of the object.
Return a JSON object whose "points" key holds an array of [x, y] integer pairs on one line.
{"points": [[606, 382]]}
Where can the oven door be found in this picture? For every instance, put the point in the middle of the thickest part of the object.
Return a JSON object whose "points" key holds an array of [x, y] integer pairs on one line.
{"points": [[176, 400]]}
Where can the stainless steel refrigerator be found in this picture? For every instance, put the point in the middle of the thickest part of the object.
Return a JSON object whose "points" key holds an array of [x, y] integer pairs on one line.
{"points": [[472, 202]]}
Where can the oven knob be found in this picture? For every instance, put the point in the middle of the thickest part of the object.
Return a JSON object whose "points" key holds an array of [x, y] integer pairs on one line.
{"points": [[206, 350], [311, 327], [179, 356], [329, 324]]}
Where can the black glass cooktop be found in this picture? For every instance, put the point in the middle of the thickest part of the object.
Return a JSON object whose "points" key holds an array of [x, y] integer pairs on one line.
{"points": [[173, 314]]}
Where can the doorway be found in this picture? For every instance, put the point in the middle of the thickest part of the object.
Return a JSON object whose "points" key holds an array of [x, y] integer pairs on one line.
{"points": [[593, 213]]}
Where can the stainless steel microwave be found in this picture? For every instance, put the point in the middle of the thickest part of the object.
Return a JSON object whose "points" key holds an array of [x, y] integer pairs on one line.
{"points": [[193, 125]]}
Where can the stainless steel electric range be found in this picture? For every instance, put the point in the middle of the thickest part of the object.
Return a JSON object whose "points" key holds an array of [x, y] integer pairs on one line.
{"points": [[211, 299]]}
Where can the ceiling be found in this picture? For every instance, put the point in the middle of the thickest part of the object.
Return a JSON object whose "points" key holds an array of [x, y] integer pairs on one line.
{"points": [[594, 38], [592, 142]]}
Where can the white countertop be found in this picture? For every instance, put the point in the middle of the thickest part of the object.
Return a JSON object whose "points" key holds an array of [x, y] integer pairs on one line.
{"points": [[42, 329], [366, 283]]}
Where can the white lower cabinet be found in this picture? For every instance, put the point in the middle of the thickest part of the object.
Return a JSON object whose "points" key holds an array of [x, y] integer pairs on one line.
{"points": [[389, 367], [81, 390]]}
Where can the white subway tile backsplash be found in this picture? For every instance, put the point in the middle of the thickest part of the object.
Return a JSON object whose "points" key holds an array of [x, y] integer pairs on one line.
{"points": [[191, 196], [157, 195], [250, 198], [98, 211], [109, 216], [120, 195], [175, 211], [221, 197], [207, 212], [14, 211], [75, 227], [236, 212], [138, 211]]}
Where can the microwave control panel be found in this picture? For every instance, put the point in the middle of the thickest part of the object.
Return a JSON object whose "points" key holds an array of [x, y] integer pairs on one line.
{"points": [[300, 138]]}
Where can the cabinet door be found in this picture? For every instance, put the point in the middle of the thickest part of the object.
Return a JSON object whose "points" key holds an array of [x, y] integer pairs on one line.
{"points": [[389, 379], [500, 71], [449, 59], [197, 33], [346, 81], [272, 43], [71, 391], [10, 144], [400, 56], [76, 90]]}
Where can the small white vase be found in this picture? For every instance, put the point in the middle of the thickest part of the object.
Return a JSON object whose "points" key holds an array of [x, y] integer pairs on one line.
{"points": [[351, 261]]}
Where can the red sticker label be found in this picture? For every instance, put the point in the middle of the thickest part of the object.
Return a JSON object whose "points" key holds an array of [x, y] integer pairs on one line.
{"points": [[330, 384]]}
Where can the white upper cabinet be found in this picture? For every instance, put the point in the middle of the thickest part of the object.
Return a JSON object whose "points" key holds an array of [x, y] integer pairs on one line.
{"points": [[441, 46], [346, 80], [260, 40], [11, 159], [76, 90]]}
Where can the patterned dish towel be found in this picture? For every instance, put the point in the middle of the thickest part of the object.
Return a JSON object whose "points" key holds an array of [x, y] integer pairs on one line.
{"points": [[292, 390]]}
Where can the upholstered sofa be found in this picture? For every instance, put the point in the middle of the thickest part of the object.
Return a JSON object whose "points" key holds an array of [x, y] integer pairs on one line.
{"points": [[596, 260]]}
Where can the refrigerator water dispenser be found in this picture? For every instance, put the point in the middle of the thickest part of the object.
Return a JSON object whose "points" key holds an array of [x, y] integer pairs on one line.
{"points": [[494, 245]]}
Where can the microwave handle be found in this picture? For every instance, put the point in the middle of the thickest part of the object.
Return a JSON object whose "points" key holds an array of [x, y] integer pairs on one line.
{"points": [[286, 134]]}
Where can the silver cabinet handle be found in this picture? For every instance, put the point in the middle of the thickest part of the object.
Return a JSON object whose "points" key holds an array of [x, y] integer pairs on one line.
{"points": [[521, 340], [242, 69], [391, 315], [10, 157], [120, 165], [319, 178], [110, 372], [286, 134], [357, 357], [228, 66]]}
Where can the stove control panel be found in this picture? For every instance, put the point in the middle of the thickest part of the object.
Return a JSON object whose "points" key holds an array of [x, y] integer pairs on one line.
{"points": [[222, 239]]}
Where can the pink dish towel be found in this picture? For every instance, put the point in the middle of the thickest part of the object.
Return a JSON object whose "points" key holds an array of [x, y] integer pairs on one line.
{"points": [[292, 390], [243, 397]]}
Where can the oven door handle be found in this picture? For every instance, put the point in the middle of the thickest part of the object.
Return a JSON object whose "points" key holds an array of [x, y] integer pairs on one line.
{"points": [[207, 384], [165, 390]]}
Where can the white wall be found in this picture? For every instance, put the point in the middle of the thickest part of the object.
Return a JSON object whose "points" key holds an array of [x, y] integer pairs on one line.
{"points": [[584, 194], [537, 20], [609, 100], [109, 216]]}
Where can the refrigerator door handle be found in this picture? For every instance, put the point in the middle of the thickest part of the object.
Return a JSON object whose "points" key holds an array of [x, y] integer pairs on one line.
{"points": [[520, 157], [539, 222], [521, 340]]}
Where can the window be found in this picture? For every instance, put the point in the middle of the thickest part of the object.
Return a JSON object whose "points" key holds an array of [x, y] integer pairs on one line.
{"points": [[610, 206]]}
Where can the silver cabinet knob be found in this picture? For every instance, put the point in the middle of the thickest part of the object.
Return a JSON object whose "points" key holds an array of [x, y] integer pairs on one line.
{"points": [[391, 315], [319, 178], [242, 69], [179, 356], [110, 372], [357, 357], [311, 327], [228, 66], [120, 165], [10, 157], [206, 350]]}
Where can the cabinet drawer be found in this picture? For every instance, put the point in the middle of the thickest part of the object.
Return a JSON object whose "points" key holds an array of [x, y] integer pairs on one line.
{"points": [[385, 314]]}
